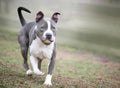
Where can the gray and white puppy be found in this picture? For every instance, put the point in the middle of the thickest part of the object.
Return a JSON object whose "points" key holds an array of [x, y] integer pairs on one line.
{"points": [[39, 38]]}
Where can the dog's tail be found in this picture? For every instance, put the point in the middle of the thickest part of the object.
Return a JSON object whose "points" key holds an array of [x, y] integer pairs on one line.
{"points": [[22, 20]]}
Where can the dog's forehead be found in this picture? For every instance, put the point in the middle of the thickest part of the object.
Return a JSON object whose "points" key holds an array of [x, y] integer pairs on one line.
{"points": [[49, 20], [46, 22]]}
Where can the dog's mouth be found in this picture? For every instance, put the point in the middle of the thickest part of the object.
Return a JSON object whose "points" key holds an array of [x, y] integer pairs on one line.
{"points": [[47, 41]]}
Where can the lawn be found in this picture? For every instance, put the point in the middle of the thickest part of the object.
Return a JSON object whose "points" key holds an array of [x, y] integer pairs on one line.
{"points": [[88, 49], [73, 69]]}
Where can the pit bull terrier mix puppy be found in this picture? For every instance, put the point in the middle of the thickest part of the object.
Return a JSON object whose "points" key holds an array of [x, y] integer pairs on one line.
{"points": [[39, 38]]}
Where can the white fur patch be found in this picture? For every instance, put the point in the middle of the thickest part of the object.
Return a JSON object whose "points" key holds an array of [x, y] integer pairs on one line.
{"points": [[34, 62], [48, 80], [29, 72], [40, 50], [35, 26]]}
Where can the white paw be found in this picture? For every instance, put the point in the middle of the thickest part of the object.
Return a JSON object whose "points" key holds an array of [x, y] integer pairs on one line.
{"points": [[47, 83], [38, 72], [48, 80], [29, 72]]}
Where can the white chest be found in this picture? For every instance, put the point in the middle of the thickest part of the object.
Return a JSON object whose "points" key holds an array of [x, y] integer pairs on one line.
{"points": [[39, 50]]}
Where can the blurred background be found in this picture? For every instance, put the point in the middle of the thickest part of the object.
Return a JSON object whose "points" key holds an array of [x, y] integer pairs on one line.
{"points": [[84, 25]]}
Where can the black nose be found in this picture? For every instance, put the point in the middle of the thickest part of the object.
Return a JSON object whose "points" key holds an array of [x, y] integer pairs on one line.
{"points": [[48, 36]]}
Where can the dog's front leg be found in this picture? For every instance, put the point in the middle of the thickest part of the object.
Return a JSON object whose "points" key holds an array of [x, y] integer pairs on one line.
{"points": [[50, 71], [34, 62]]}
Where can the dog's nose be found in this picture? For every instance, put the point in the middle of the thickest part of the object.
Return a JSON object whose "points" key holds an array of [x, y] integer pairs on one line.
{"points": [[48, 36]]}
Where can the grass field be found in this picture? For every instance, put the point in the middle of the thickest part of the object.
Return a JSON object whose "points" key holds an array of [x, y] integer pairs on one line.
{"points": [[88, 49], [95, 29], [73, 69]]}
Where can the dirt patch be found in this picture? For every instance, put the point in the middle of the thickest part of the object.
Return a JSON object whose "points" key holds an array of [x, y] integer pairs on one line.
{"points": [[64, 54]]}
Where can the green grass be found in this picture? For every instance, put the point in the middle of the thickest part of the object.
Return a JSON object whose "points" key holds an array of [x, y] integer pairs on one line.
{"points": [[88, 52], [73, 70]]}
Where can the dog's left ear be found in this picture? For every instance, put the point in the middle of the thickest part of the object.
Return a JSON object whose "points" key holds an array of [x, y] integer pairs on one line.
{"points": [[55, 17], [39, 16]]}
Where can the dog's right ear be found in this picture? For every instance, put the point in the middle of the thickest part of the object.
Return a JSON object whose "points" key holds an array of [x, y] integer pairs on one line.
{"points": [[55, 17], [39, 16]]}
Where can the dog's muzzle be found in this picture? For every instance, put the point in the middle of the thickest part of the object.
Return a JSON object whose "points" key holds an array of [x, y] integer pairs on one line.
{"points": [[48, 39], [48, 36]]}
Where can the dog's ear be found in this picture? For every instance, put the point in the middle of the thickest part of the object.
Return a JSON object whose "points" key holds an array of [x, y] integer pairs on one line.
{"points": [[39, 16], [55, 17]]}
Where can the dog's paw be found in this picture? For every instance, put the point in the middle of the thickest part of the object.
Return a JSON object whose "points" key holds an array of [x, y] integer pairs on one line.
{"points": [[48, 80], [47, 83], [39, 73], [29, 72]]}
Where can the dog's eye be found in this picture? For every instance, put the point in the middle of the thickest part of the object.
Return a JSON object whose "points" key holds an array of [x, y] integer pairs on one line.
{"points": [[53, 27], [42, 30], [42, 27]]}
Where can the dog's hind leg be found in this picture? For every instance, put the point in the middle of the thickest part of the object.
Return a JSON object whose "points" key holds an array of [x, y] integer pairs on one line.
{"points": [[24, 44], [24, 51]]}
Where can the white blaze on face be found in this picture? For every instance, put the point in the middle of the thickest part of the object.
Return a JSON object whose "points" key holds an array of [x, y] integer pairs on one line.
{"points": [[49, 31], [35, 27], [49, 25]]}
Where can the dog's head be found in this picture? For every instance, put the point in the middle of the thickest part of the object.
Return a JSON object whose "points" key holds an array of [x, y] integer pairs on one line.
{"points": [[45, 28]]}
